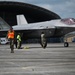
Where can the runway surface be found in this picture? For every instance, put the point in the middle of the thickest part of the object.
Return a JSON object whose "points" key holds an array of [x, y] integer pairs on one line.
{"points": [[54, 60]]}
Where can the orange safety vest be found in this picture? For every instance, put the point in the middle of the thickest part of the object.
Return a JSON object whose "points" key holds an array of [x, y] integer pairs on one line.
{"points": [[11, 34]]}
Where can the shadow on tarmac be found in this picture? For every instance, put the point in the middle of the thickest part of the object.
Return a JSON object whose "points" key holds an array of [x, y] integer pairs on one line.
{"points": [[52, 47]]}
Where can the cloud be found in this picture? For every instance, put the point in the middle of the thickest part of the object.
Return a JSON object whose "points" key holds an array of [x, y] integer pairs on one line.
{"points": [[64, 9]]}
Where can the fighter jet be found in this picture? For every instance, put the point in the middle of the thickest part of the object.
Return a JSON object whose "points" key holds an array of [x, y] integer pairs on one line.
{"points": [[44, 30]]}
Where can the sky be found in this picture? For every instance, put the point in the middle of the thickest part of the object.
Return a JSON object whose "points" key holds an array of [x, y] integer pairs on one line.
{"points": [[64, 8]]}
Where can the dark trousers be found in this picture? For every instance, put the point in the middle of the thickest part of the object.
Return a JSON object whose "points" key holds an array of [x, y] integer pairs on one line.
{"points": [[15, 42], [18, 44], [11, 44]]}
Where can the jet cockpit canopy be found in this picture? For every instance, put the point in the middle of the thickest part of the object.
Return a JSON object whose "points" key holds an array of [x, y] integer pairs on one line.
{"points": [[69, 21]]}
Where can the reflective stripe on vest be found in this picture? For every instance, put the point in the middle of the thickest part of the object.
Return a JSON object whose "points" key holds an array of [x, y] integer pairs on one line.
{"points": [[11, 34]]}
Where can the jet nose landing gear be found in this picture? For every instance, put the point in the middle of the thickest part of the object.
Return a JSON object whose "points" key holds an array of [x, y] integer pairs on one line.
{"points": [[66, 44]]}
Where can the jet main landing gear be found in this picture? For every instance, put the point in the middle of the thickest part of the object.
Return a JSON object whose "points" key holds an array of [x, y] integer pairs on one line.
{"points": [[43, 41]]}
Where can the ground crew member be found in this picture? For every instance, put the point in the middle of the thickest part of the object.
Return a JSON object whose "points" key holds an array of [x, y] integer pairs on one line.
{"points": [[19, 41], [10, 36]]}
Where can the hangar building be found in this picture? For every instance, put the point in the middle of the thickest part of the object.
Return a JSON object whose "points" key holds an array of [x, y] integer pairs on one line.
{"points": [[9, 10], [32, 13]]}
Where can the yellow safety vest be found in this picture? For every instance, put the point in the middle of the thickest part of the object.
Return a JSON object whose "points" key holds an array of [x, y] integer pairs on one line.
{"points": [[19, 37]]}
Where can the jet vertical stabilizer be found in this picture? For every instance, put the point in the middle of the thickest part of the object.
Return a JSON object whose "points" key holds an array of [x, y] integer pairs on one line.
{"points": [[21, 20]]}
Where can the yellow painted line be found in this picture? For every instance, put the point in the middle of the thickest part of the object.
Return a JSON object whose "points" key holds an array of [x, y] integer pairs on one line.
{"points": [[26, 47]]}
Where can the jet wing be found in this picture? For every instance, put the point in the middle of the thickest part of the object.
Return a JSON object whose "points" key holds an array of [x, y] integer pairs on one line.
{"points": [[34, 26], [22, 24]]}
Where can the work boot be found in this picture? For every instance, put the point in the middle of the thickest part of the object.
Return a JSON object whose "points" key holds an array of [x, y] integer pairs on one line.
{"points": [[12, 51]]}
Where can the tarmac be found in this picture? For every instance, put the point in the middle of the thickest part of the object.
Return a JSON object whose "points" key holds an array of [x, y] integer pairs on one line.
{"points": [[34, 60]]}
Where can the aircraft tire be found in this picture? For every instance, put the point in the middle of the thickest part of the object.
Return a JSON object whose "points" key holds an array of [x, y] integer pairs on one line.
{"points": [[66, 44], [43, 40], [44, 44]]}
